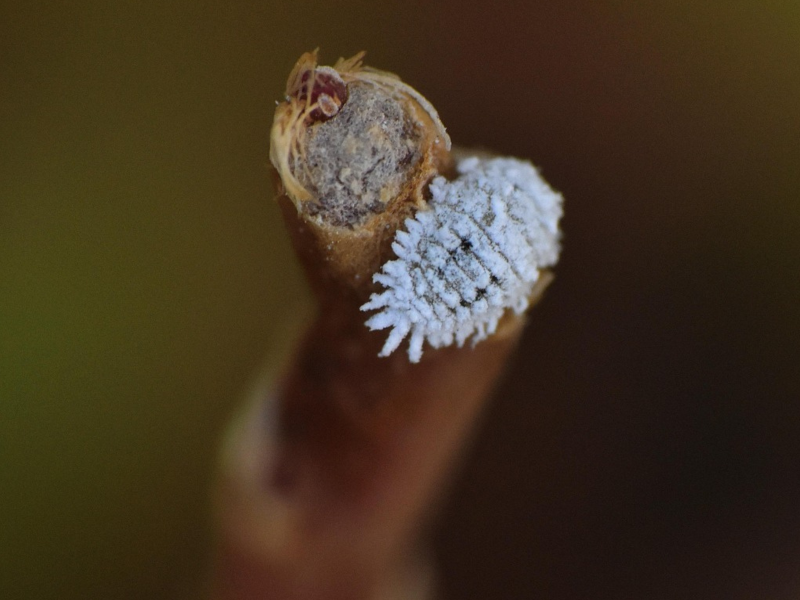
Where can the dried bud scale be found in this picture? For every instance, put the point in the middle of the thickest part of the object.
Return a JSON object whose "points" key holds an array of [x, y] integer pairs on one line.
{"points": [[360, 156]]}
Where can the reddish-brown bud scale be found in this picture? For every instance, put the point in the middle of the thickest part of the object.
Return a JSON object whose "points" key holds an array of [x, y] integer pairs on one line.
{"points": [[322, 88]]}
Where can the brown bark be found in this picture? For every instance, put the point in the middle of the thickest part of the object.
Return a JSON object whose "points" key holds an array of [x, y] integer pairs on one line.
{"points": [[329, 476]]}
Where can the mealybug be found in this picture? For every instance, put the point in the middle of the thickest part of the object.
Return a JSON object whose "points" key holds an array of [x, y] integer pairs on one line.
{"points": [[473, 253]]}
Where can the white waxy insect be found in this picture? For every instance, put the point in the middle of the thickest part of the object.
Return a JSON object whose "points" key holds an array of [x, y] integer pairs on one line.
{"points": [[474, 253]]}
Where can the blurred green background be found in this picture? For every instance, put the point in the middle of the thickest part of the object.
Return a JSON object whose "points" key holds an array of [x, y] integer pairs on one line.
{"points": [[646, 441]]}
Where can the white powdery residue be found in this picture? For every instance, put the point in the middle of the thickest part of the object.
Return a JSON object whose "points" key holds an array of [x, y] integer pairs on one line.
{"points": [[473, 254]]}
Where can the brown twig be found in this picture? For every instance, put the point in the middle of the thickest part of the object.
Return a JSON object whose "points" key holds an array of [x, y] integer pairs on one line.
{"points": [[329, 475]]}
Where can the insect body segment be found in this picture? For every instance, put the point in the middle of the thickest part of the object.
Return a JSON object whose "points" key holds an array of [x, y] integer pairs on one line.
{"points": [[474, 253]]}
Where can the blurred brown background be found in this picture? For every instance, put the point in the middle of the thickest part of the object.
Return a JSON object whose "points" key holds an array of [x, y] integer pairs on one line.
{"points": [[646, 442]]}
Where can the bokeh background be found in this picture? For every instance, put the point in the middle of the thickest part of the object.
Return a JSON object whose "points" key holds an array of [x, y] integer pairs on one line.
{"points": [[646, 440]]}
